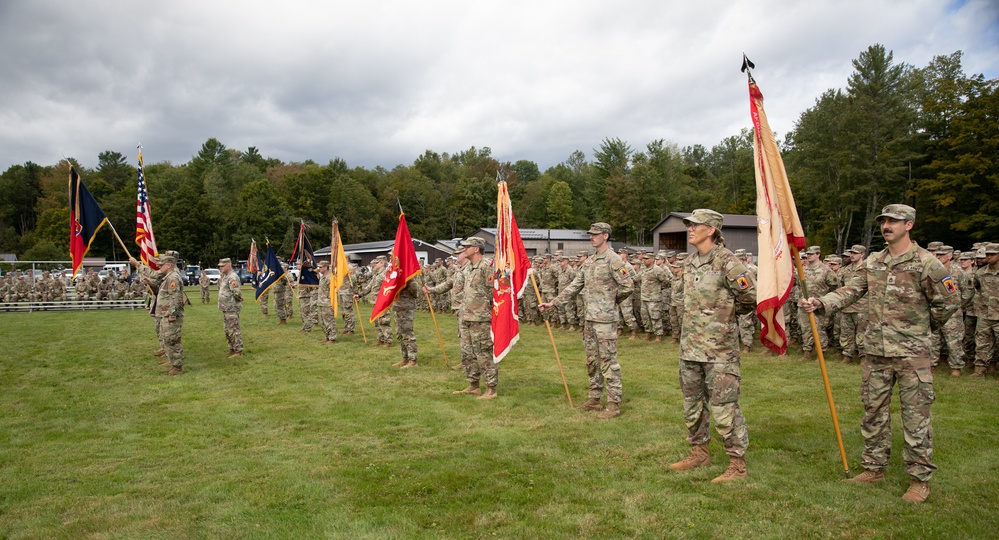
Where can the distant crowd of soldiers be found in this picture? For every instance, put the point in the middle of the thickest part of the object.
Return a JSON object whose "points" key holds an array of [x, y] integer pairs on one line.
{"points": [[18, 286]]}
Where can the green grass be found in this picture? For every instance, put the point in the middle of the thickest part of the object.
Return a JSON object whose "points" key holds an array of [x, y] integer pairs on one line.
{"points": [[302, 440]]}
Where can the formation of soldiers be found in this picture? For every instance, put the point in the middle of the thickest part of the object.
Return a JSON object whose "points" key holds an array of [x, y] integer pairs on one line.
{"points": [[19, 286]]}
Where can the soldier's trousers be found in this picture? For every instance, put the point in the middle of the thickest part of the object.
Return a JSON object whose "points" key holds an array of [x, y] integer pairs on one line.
{"points": [[230, 320], [970, 330], [407, 333], [263, 301], [206, 296], [652, 316], [327, 319], [675, 320], [550, 315], [914, 377], [530, 302], [986, 336], [950, 335], [172, 344], [477, 353], [600, 344], [282, 305], [346, 305], [157, 322], [851, 334], [747, 328], [383, 326], [307, 307], [567, 313], [807, 340], [712, 389], [626, 312], [289, 303]]}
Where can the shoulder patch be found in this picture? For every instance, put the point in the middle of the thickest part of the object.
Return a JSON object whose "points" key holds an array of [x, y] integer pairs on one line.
{"points": [[173, 285], [949, 285], [742, 282], [622, 270]]}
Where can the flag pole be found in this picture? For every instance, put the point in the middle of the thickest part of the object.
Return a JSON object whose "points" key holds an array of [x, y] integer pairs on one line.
{"points": [[822, 359], [437, 328], [551, 336], [119, 239]]}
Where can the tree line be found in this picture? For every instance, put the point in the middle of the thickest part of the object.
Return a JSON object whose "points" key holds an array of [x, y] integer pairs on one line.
{"points": [[925, 136]]}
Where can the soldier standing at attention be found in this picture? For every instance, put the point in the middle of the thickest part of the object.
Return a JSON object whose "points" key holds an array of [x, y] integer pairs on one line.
{"points": [[153, 279], [476, 318], [851, 337], [170, 310], [308, 296], [230, 304], [203, 282], [324, 305], [626, 305], [910, 294], [819, 280], [346, 300], [716, 289], [747, 321], [383, 324], [605, 282], [405, 312], [281, 299], [549, 286], [986, 283], [655, 278]]}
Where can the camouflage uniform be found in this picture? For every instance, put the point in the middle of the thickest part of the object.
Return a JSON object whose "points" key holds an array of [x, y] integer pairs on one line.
{"points": [[203, 283], [549, 287], [604, 281], [907, 297], [476, 318], [308, 297], [153, 279], [345, 301], [567, 311], [170, 304], [676, 303], [230, 304], [819, 280], [747, 321], [854, 321], [654, 279], [986, 282], [951, 334], [716, 288], [383, 324], [282, 302], [324, 304], [262, 300], [626, 306], [405, 311]]}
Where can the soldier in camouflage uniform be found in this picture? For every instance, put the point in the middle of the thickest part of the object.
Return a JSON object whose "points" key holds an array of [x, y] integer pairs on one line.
{"points": [[566, 311], [716, 289], [324, 304], [549, 286], [626, 308], [170, 310], [967, 262], [230, 304], [605, 281], [308, 297], [203, 283], [581, 257], [654, 278], [529, 301], [476, 319], [152, 279], [383, 324], [345, 300], [911, 294], [747, 321], [951, 334], [851, 337], [819, 280], [405, 311], [986, 283], [676, 300], [282, 303]]}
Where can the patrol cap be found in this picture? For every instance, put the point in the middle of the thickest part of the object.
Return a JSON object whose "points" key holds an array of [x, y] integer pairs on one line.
{"points": [[739, 251], [991, 248], [858, 248], [225, 261], [558, 252], [670, 253], [834, 259], [897, 211], [681, 256], [168, 257], [813, 250], [945, 250], [583, 253], [980, 253], [438, 260], [324, 264], [661, 255], [473, 241], [547, 256], [706, 216], [599, 228], [380, 258], [967, 256]]}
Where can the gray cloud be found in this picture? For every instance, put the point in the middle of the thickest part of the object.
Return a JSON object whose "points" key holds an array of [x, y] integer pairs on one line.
{"points": [[380, 82]]}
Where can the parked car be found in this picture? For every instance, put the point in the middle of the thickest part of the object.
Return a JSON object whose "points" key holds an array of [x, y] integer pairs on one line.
{"points": [[192, 273], [245, 276], [213, 275]]}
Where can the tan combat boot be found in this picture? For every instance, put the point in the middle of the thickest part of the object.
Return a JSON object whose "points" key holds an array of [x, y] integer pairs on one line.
{"points": [[174, 371], [675, 341], [699, 457], [659, 339], [634, 334], [613, 410], [867, 477], [979, 371], [745, 349], [165, 363], [917, 492], [592, 404], [473, 389], [409, 364], [735, 471], [955, 373], [400, 363], [649, 337], [159, 352], [490, 393]]}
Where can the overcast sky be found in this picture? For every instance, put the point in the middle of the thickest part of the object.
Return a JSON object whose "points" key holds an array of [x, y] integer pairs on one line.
{"points": [[379, 82]]}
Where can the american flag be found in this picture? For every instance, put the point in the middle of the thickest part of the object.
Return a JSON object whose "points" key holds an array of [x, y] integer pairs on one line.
{"points": [[144, 224]]}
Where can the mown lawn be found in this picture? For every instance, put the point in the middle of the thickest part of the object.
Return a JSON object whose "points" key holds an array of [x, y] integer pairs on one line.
{"points": [[301, 440]]}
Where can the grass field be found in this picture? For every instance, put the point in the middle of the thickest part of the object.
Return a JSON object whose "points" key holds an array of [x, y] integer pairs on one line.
{"points": [[301, 440]]}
